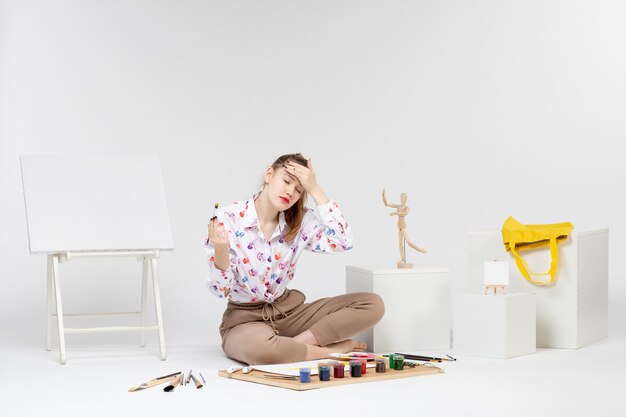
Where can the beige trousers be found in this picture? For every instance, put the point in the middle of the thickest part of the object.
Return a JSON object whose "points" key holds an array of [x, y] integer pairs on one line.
{"points": [[261, 333]]}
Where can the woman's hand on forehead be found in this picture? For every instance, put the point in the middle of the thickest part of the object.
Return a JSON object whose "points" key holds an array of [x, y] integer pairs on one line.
{"points": [[290, 174], [305, 175]]}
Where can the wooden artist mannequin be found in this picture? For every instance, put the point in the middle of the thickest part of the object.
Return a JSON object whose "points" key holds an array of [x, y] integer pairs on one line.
{"points": [[401, 211]]}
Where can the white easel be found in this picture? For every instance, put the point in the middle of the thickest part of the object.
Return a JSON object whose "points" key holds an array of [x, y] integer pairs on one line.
{"points": [[115, 207]]}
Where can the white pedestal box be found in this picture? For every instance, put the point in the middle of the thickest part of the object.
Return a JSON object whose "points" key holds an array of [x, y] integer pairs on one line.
{"points": [[574, 311], [417, 306], [494, 326]]}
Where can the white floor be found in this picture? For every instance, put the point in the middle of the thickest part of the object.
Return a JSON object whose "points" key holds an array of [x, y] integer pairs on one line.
{"points": [[94, 382]]}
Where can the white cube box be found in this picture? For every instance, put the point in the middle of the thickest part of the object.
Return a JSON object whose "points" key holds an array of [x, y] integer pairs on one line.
{"points": [[571, 313], [494, 326], [417, 306]]}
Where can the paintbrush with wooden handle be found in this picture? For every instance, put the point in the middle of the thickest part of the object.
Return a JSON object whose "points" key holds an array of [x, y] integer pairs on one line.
{"points": [[153, 382], [195, 381], [175, 382]]}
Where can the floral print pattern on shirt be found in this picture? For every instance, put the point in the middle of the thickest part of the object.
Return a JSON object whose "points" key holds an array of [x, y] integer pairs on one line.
{"points": [[261, 268]]}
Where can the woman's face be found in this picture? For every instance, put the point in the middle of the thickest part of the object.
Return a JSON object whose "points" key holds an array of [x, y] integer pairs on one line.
{"points": [[283, 188]]}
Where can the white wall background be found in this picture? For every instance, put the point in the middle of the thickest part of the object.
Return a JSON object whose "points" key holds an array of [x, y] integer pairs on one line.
{"points": [[476, 109]]}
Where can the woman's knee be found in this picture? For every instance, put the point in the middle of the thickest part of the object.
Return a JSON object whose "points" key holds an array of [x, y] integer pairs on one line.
{"points": [[247, 342], [376, 306], [261, 350]]}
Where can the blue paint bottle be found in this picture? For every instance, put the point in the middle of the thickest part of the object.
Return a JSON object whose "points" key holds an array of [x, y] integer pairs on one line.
{"points": [[305, 375], [324, 373]]}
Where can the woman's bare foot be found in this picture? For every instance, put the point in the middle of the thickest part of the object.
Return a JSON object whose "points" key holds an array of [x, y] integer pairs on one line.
{"points": [[348, 345]]}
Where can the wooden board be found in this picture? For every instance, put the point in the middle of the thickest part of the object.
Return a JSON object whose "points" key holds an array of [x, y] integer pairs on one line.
{"points": [[371, 376]]}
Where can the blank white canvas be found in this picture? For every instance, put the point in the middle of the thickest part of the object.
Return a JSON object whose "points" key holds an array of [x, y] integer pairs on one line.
{"points": [[496, 273], [95, 202]]}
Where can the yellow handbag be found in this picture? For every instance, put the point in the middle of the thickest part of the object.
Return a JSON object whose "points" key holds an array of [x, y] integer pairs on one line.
{"points": [[517, 236]]}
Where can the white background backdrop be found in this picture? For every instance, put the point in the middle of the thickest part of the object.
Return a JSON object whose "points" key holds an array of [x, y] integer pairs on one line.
{"points": [[477, 110]]}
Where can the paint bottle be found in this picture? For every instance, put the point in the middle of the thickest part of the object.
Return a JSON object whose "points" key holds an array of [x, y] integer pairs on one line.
{"points": [[305, 375], [381, 367], [355, 368], [363, 366], [338, 370], [398, 362], [324, 373], [320, 364], [391, 360]]}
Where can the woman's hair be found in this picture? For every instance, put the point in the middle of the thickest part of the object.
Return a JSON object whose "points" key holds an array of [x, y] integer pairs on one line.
{"points": [[295, 213]]}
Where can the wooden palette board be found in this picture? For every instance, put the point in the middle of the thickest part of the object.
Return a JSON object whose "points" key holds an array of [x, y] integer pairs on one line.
{"points": [[371, 376]]}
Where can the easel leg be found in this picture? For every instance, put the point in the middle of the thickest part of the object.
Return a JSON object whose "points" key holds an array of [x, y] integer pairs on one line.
{"points": [[144, 297], [157, 303], [49, 295], [57, 296]]}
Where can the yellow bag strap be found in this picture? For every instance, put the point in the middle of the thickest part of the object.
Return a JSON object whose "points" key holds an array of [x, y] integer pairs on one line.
{"points": [[523, 266]]}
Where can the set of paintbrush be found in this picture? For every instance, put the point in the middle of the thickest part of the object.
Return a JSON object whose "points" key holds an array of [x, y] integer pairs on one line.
{"points": [[175, 379], [426, 358]]}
